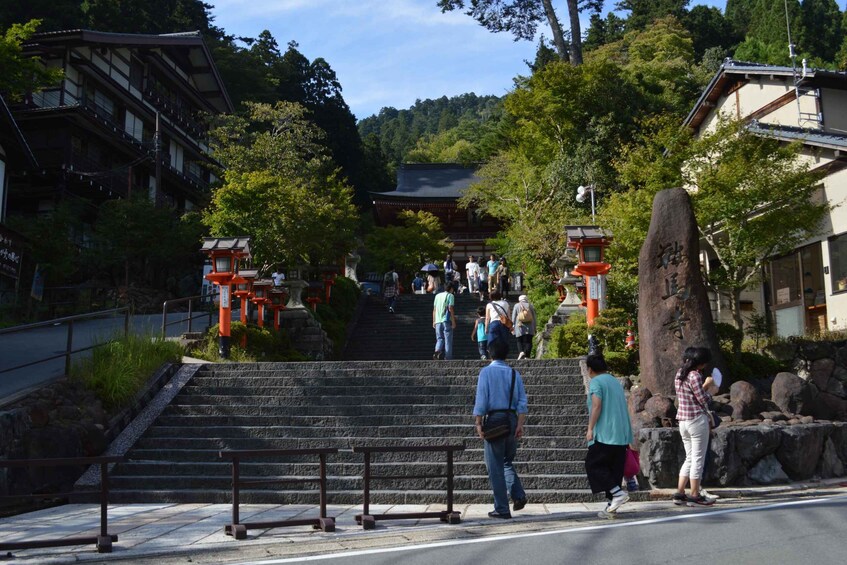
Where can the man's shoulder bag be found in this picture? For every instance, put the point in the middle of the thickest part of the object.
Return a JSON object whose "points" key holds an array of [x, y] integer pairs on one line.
{"points": [[497, 423]]}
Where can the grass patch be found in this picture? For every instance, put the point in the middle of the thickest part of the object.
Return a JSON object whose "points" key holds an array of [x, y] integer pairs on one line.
{"points": [[117, 371], [263, 344]]}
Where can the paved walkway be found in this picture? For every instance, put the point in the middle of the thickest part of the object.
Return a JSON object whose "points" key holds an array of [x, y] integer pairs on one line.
{"points": [[156, 533]]}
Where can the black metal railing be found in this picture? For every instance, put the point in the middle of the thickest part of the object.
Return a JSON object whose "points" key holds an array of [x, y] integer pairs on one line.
{"points": [[368, 521], [104, 540], [69, 348], [189, 315], [237, 529]]}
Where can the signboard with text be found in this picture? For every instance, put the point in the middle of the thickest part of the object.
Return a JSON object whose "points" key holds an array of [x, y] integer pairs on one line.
{"points": [[10, 253]]}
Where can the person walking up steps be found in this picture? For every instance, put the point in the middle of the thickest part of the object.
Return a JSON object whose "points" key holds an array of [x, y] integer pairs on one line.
{"points": [[523, 319], [472, 272], [500, 393], [478, 333], [444, 322], [609, 432], [390, 281]]}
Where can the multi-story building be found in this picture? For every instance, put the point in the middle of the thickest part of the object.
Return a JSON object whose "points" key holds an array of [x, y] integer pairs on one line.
{"points": [[804, 291], [128, 115]]}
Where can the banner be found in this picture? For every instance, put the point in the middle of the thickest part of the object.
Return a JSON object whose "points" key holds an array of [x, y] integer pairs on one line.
{"points": [[37, 291]]}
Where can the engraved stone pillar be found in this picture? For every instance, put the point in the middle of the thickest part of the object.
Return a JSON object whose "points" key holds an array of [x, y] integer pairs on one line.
{"points": [[673, 309], [350, 264]]}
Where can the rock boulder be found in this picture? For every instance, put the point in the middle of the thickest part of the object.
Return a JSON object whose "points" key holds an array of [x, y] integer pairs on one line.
{"points": [[792, 394]]}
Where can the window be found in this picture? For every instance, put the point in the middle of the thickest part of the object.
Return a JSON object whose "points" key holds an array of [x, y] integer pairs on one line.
{"points": [[134, 126], [177, 152], [838, 262], [785, 277]]}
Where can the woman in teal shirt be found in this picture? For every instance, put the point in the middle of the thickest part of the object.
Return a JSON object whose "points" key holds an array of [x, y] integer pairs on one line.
{"points": [[609, 432]]}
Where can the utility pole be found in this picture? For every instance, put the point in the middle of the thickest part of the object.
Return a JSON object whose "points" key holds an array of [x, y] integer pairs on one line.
{"points": [[157, 145]]}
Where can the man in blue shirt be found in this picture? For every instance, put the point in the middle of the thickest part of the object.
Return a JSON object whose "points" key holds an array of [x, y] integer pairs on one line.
{"points": [[609, 432], [493, 394]]}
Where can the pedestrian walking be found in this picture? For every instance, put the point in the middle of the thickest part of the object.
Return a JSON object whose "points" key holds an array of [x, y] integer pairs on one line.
{"points": [[390, 286], [523, 320], [433, 282], [418, 284], [278, 277], [478, 333], [472, 273], [444, 322], [496, 310], [492, 265], [694, 424], [500, 394], [449, 268], [502, 274], [609, 433]]}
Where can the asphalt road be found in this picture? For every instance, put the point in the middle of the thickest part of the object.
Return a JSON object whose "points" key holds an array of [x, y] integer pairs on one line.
{"points": [[28, 346], [799, 531]]}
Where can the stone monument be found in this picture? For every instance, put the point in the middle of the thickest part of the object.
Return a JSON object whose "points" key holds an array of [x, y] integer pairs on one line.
{"points": [[673, 309]]}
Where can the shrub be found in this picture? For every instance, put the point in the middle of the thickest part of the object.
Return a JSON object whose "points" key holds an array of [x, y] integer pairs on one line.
{"points": [[570, 339], [117, 371], [622, 363], [610, 328], [729, 337], [335, 316], [748, 366], [263, 344]]}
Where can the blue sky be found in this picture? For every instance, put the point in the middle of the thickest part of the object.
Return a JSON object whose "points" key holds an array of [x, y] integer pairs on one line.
{"points": [[391, 52]]}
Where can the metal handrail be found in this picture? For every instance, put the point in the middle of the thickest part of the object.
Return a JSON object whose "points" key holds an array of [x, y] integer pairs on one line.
{"points": [[69, 350], [104, 540], [368, 521], [190, 318], [237, 529]]}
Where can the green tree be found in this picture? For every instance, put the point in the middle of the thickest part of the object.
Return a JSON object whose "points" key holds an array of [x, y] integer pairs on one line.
{"points": [[280, 187], [742, 185], [22, 74], [822, 33], [421, 238], [709, 28], [747, 185], [643, 12], [521, 19]]}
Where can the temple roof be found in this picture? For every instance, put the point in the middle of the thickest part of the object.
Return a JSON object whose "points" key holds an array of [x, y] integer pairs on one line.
{"points": [[430, 181]]}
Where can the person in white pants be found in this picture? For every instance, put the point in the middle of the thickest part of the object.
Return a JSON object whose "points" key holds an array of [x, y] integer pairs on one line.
{"points": [[694, 424]]}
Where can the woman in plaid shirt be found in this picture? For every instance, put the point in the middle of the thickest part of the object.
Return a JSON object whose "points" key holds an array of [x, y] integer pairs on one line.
{"points": [[694, 424]]}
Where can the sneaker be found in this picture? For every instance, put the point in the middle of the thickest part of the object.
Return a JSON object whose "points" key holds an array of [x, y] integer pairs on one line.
{"points": [[699, 501], [495, 514], [438, 356], [618, 500], [708, 495], [519, 504], [483, 357], [679, 498], [606, 513], [391, 310], [632, 484], [521, 355]]}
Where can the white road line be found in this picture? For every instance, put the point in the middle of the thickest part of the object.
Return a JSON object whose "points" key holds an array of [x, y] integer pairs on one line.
{"points": [[649, 521]]}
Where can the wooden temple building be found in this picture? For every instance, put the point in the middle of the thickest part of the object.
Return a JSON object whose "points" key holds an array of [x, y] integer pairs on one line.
{"points": [[437, 188]]}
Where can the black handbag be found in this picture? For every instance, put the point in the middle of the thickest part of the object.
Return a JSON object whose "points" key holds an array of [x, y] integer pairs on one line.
{"points": [[497, 423]]}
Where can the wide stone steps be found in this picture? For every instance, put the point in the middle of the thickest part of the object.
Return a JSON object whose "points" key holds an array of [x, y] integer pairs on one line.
{"points": [[190, 421], [254, 496], [250, 406], [347, 442], [470, 454], [342, 482], [354, 468], [408, 333]]}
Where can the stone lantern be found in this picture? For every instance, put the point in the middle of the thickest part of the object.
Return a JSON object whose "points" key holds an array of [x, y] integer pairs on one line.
{"points": [[590, 243], [225, 253]]}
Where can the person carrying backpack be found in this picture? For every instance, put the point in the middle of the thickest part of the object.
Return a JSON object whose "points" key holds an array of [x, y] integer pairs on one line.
{"points": [[523, 320], [390, 282]]}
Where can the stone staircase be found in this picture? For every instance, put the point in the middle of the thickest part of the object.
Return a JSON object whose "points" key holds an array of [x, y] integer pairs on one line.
{"points": [[407, 334], [344, 404]]}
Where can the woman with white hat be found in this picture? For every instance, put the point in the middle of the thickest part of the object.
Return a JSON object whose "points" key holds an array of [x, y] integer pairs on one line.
{"points": [[523, 322]]}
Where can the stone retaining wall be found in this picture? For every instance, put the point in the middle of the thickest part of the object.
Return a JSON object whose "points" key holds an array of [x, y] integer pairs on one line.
{"points": [[750, 455]]}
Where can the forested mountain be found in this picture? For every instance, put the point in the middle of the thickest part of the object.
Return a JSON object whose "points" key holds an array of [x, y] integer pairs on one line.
{"points": [[253, 69], [459, 129]]}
